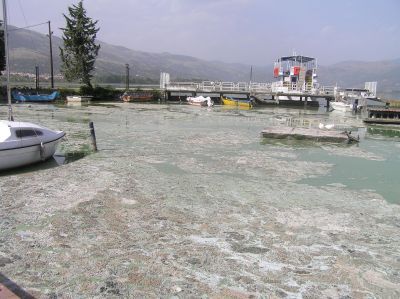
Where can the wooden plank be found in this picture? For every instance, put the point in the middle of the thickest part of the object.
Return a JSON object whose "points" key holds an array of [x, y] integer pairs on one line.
{"points": [[10, 290], [5, 293]]}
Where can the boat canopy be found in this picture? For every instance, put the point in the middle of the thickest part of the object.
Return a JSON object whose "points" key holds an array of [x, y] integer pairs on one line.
{"points": [[297, 58]]}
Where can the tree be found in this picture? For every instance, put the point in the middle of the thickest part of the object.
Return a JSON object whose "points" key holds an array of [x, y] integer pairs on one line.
{"points": [[80, 50]]}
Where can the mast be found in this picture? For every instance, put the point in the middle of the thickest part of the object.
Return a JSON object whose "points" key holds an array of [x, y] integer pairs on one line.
{"points": [[10, 116]]}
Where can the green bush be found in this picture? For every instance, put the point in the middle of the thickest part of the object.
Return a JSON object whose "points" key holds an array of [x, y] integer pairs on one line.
{"points": [[103, 93]]}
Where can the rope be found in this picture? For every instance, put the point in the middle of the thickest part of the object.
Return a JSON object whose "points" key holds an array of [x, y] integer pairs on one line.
{"points": [[42, 147]]}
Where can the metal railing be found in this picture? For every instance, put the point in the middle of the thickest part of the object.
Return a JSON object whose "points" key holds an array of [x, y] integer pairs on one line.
{"points": [[253, 87]]}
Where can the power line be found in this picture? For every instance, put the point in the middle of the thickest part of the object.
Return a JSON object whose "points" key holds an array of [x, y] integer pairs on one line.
{"points": [[19, 28]]}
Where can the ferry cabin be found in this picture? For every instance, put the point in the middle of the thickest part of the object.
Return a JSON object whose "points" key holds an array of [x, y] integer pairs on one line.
{"points": [[295, 73]]}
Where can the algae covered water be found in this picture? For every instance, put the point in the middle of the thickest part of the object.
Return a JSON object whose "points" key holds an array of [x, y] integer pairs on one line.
{"points": [[192, 202], [372, 164]]}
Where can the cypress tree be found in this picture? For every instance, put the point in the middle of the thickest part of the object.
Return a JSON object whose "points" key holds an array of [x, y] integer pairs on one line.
{"points": [[80, 50]]}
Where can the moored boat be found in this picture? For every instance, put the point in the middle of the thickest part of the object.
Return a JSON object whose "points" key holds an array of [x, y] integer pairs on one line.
{"points": [[200, 101], [297, 80], [21, 97], [78, 99], [137, 96], [243, 103], [341, 106], [23, 143]]}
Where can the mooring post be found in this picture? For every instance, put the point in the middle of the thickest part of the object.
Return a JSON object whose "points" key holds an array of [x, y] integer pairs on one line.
{"points": [[328, 103], [93, 136]]}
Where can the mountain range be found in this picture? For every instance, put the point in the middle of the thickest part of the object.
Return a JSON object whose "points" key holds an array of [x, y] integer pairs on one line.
{"points": [[29, 48]]}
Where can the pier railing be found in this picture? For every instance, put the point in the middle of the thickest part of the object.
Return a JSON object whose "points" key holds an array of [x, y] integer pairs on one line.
{"points": [[252, 87]]}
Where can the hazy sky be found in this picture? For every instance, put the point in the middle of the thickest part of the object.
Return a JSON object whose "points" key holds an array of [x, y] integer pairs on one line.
{"points": [[248, 31]]}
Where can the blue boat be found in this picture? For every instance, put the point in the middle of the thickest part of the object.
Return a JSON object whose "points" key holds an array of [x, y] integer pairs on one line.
{"points": [[20, 97]]}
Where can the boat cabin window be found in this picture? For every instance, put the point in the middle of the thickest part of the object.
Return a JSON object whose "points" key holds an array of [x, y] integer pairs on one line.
{"points": [[22, 133]]}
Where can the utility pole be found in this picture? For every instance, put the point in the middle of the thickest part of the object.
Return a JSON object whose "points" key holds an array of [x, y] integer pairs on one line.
{"points": [[127, 77], [37, 78], [51, 58]]}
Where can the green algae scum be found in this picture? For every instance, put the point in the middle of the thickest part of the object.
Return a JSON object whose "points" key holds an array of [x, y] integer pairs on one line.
{"points": [[189, 202]]}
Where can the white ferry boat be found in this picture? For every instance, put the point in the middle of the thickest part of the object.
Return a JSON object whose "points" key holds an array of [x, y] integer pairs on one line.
{"points": [[297, 75]]}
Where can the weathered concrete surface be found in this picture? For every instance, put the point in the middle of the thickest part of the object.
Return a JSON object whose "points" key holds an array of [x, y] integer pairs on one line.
{"points": [[174, 207]]}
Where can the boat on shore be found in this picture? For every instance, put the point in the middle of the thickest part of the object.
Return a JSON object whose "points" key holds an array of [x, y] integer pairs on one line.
{"points": [[22, 97], [137, 96], [242, 103], [200, 101]]}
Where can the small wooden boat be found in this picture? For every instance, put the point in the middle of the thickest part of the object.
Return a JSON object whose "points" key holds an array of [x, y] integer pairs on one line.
{"points": [[200, 101], [242, 103], [21, 97], [78, 99], [137, 96]]}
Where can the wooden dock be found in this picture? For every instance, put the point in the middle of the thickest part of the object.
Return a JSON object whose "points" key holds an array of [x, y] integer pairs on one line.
{"points": [[307, 134]]}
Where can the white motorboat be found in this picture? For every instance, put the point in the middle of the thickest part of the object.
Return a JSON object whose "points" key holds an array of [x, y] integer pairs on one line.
{"points": [[200, 101], [341, 106], [23, 143]]}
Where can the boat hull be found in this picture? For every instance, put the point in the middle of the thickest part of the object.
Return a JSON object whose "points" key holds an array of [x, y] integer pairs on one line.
{"points": [[20, 97], [137, 97], [237, 103], [138, 100], [22, 156], [341, 106], [202, 104], [200, 101], [78, 99]]}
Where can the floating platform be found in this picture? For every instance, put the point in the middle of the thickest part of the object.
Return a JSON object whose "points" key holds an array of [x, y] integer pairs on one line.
{"points": [[307, 134], [383, 116]]}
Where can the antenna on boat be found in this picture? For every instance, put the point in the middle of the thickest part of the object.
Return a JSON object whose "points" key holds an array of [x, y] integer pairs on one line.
{"points": [[10, 115]]}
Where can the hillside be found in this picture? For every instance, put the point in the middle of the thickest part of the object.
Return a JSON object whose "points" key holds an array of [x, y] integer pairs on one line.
{"points": [[29, 48]]}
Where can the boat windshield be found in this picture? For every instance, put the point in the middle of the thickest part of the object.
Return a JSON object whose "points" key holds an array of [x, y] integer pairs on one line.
{"points": [[23, 133]]}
